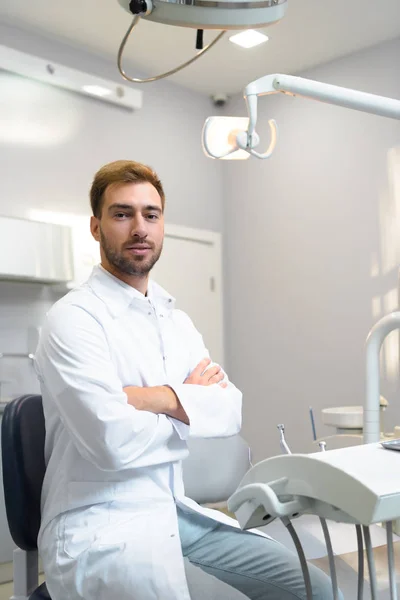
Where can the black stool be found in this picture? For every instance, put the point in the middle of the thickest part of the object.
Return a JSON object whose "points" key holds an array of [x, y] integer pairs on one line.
{"points": [[22, 450]]}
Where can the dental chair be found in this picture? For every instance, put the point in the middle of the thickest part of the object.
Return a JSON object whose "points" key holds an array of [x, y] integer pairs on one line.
{"points": [[211, 474], [214, 469], [22, 451]]}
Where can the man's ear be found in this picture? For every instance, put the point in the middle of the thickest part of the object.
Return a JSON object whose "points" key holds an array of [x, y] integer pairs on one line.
{"points": [[95, 228]]}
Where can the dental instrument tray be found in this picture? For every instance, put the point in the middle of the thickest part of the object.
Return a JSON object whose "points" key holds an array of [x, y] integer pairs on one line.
{"points": [[359, 484]]}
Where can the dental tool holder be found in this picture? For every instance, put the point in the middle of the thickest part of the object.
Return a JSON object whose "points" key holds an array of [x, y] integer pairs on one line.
{"points": [[359, 485]]}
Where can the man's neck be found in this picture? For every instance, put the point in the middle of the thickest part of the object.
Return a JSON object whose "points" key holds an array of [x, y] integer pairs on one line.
{"points": [[138, 282]]}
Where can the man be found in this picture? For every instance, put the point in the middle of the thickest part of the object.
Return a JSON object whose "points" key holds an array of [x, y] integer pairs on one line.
{"points": [[125, 381]]}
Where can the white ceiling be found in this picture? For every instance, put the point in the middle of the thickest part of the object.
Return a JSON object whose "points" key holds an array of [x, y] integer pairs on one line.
{"points": [[312, 32]]}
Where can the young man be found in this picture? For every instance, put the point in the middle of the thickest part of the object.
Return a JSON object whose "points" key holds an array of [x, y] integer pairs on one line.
{"points": [[125, 380]]}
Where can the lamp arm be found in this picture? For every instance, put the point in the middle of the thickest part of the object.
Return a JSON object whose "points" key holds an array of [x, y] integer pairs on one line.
{"points": [[324, 92], [307, 88]]}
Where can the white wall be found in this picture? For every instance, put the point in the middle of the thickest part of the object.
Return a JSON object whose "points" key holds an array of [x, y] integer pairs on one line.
{"points": [[53, 141], [312, 239]]}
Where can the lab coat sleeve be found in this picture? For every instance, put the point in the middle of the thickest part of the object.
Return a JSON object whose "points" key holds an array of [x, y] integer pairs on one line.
{"points": [[74, 366], [213, 411]]}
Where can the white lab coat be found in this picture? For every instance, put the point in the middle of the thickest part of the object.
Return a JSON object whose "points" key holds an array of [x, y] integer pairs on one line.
{"points": [[109, 526]]}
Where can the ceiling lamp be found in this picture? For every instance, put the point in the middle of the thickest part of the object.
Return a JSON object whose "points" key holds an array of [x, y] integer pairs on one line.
{"points": [[200, 15]]}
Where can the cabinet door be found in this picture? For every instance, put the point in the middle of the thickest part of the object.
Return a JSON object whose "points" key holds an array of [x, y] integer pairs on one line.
{"points": [[85, 252], [34, 251]]}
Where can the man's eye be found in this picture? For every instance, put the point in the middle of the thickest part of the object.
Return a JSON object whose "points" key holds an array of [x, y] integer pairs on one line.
{"points": [[152, 217], [120, 215]]}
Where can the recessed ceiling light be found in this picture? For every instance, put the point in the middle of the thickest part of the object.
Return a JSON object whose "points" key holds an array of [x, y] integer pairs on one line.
{"points": [[249, 38], [96, 90]]}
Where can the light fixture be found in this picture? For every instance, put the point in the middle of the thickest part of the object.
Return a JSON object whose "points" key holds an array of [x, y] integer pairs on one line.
{"points": [[200, 15], [247, 139], [219, 137], [97, 90], [47, 71], [249, 38]]}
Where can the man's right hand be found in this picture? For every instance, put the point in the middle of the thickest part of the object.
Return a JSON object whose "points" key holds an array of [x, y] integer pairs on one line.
{"points": [[203, 376]]}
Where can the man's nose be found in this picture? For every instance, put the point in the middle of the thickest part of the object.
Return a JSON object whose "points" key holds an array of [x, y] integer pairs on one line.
{"points": [[139, 227]]}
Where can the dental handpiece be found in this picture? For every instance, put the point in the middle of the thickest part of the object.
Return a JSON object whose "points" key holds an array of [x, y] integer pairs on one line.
{"points": [[282, 440]]}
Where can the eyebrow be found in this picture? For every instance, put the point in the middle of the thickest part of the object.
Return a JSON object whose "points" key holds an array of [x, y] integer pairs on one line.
{"points": [[129, 207]]}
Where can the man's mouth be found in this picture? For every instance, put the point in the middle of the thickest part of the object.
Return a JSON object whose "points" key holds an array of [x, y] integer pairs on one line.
{"points": [[139, 249]]}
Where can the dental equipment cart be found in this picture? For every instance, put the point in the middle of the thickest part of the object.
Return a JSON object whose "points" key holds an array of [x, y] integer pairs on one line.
{"points": [[358, 485]]}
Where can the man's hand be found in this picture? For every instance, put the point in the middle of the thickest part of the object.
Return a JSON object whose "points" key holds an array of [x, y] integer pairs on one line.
{"points": [[159, 399], [163, 400], [203, 376]]}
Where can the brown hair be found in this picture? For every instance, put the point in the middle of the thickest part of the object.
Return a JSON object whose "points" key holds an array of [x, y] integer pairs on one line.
{"points": [[120, 172]]}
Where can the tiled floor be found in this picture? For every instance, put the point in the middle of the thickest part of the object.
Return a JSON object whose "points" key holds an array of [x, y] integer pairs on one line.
{"points": [[6, 591]]}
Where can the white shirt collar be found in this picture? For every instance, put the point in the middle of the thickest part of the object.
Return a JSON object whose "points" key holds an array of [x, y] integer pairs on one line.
{"points": [[118, 295]]}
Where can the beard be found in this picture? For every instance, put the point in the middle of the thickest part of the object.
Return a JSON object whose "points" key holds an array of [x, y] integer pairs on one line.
{"points": [[138, 266]]}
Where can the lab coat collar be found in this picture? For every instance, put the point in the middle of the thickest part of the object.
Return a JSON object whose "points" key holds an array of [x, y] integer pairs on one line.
{"points": [[118, 295]]}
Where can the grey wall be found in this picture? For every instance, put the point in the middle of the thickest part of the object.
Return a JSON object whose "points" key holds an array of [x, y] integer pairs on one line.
{"points": [[311, 237]]}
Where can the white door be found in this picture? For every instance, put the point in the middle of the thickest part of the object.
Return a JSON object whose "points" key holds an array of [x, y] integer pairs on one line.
{"points": [[190, 269]]}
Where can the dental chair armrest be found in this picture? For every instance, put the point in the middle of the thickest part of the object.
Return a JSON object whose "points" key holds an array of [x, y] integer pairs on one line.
{"points": [[249, 499]]}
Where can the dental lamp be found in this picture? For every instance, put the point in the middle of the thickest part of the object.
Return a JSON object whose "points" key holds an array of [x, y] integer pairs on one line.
{"points": [[200, 15], [233, 138]]}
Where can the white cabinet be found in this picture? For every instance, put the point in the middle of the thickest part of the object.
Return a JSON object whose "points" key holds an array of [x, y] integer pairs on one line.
{"points": [[84, 248], [30, 250]]}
